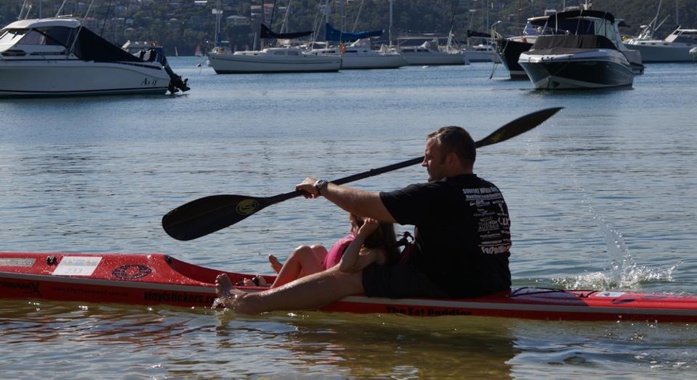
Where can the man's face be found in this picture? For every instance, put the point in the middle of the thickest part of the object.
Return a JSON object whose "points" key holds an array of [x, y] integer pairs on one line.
{"points": [[434, 161]]}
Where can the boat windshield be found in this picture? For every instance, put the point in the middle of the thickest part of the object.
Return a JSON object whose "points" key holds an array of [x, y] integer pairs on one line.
{"points": [[531, 30], [688, 36], [9, 37], [56, 36]]}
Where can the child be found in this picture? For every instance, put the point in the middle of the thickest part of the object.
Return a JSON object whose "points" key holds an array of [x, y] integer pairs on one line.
{"points": [[369, 241]]}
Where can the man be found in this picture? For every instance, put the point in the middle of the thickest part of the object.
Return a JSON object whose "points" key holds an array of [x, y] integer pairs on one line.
{"points": [[462, 237]]}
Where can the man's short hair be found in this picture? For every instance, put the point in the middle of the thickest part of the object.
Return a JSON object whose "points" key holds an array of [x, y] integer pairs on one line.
{"points": [[454, 139]]}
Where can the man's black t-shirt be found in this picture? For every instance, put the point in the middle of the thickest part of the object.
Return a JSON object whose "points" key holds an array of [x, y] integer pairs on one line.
{"points": [[462, 228]]}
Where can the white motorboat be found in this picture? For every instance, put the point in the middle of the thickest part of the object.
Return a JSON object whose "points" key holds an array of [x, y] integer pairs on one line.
{"points": [[61, 57], [359, 55], [586, 59], [272, 60], [509, 49], [430, 54], [674, 48]]}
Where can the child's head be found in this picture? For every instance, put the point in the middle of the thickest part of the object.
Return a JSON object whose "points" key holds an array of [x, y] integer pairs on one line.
{"points": [[356, 223]]}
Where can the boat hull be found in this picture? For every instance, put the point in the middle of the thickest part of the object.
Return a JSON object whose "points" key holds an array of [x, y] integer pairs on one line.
{"points": [[658, 51], [479, 54], [509, 51], [70, 77], [603, 68], [377, 61], [363, 58], [433, 58], [247, 63], [157, 279]]}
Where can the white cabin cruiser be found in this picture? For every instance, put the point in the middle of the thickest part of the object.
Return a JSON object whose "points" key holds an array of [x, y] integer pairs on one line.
{"points": [[588, 58], [674, 48], [61, 57]]}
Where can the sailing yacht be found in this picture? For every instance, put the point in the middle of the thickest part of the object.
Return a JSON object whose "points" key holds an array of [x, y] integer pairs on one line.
{"points": [[288, 59], [430, 53], [359, 53]]}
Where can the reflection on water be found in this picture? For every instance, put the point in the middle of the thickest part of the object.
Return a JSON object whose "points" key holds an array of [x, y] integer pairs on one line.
{"points": [[396, 346], [131, 342]]}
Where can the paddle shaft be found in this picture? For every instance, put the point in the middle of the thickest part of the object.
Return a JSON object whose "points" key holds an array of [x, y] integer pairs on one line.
{"points": [[352, 178], [504, 133], [209, 214]]}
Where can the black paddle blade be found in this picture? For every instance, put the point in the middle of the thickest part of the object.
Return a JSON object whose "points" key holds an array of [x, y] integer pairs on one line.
{"points": [[209, 214], [518, 126]]}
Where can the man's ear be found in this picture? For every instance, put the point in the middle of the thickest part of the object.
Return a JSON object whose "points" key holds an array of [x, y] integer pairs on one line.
{"points": [[452, 159]]}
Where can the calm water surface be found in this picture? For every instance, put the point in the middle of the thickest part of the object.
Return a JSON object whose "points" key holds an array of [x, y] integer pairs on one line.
{"points": [[602, 195]]}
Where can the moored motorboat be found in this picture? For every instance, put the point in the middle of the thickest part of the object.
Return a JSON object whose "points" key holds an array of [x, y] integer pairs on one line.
{"points": [[560, 63], [61, 57], [509, 49], [674, 48], [158, 279], [587, 58]]}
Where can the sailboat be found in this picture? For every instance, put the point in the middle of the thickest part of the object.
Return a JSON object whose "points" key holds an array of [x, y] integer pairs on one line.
{"points": [[283, 59], [359, 53], [287, 59], [430, 53], [356, 49]]}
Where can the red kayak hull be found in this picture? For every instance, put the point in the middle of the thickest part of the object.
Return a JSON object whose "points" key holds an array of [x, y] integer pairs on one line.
{"points": [[158, 279]]}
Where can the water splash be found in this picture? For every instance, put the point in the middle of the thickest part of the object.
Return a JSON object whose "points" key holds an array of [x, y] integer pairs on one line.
{"points": [[217, 303], [623, 273]]}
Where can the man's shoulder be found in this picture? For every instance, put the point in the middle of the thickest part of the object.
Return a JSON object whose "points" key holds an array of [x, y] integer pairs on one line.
{"points": [[469, 180]]}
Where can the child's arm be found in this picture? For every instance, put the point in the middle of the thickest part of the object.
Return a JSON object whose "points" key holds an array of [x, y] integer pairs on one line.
{"points": [[354, 258]]}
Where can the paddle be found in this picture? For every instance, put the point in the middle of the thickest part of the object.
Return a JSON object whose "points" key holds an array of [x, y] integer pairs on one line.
{"points": [[209, 214]]}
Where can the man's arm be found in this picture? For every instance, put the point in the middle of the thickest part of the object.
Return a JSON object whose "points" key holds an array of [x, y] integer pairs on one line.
{"points": [[356, 201]]}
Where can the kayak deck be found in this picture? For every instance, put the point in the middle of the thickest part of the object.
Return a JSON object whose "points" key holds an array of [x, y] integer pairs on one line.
{"points": [[158, 279]]}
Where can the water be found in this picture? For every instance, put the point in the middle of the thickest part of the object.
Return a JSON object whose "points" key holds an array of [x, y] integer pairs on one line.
{"points": [[601, 196]]}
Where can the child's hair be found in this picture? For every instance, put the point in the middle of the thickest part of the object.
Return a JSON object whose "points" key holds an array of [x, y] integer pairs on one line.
{"points": [[383, 237]]}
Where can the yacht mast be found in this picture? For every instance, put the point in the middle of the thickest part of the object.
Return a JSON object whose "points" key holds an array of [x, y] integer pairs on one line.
{"points": [[389, 30]]}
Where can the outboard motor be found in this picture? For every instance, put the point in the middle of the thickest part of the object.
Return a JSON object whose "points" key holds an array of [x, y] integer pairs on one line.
{"points": [[176, 82]]}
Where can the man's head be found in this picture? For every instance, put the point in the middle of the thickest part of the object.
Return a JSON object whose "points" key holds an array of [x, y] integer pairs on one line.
{"points": [[450, 151]]}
